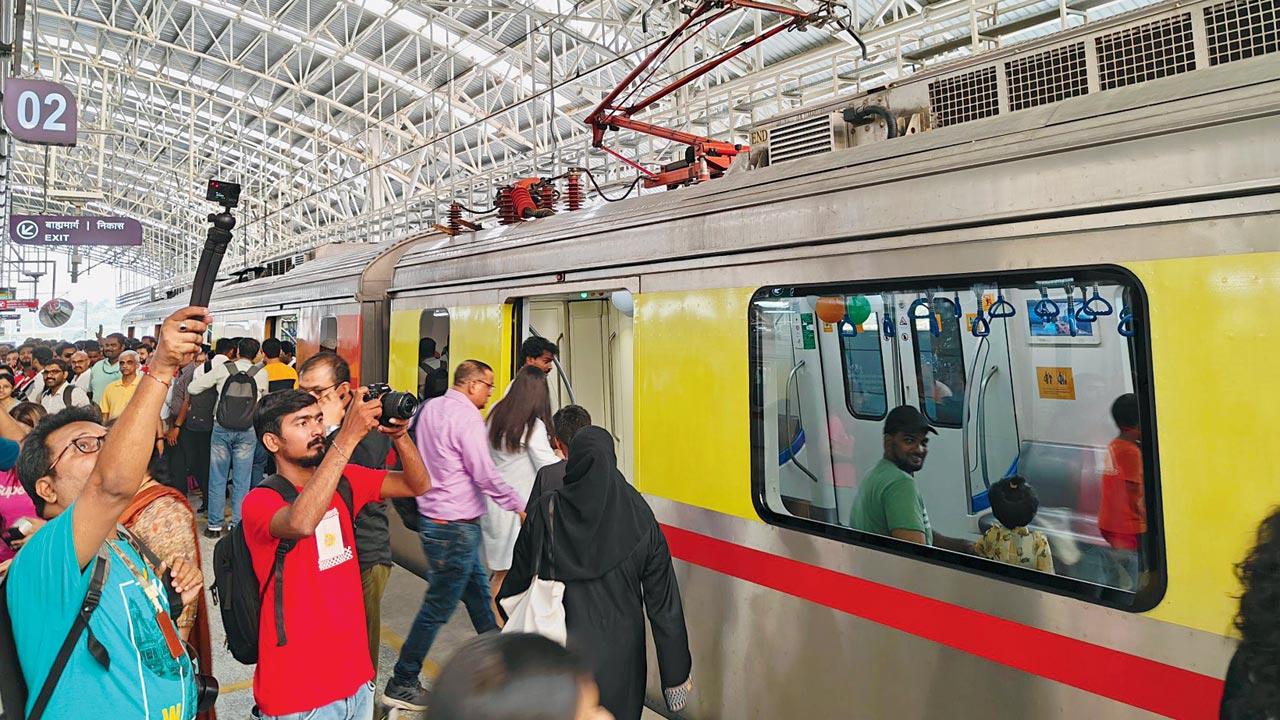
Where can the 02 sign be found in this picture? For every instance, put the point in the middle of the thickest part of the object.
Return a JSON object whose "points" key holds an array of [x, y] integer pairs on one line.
{"points": [[40, 111]]}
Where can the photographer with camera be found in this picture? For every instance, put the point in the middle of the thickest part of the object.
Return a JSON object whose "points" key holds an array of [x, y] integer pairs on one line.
{"points": [[81, 480], [327, 377], [304, 515]]}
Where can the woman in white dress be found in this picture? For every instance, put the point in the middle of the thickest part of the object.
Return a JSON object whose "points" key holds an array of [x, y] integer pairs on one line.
{"points": [[520, 443]]}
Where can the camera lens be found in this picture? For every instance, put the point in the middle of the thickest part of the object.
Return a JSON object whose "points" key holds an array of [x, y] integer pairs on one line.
{"points": [[399, 405]]}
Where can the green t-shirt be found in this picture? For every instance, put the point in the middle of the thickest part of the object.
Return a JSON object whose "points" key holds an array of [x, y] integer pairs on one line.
{"points": [[888, 500]]}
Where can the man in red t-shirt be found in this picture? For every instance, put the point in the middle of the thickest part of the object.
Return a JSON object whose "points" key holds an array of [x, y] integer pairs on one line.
{"points": [[323, 668], [1122, 513]]}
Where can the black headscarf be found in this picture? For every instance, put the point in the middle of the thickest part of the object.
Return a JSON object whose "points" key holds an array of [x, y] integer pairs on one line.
{"points": [[599, 518]]}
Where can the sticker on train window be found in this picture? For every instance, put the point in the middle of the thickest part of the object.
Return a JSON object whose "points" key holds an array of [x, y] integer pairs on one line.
{"points": [[925, 426]]}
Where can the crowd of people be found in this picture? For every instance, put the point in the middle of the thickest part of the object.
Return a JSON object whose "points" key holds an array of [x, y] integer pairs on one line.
{"points": [[103, 444], [107, 446]]}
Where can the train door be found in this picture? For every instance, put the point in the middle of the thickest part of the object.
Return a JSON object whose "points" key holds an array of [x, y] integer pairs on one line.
{"points": [[593, 331], [961, 380], [860, 372], [799, 356]]}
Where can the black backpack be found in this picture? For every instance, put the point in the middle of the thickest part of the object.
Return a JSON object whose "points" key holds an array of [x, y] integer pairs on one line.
{"points": [[237, 590], [238, 399], [200, 409], [13, 685]]}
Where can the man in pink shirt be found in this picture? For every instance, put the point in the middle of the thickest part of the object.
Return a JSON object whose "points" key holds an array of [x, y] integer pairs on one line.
{"points": [[451, 437]]}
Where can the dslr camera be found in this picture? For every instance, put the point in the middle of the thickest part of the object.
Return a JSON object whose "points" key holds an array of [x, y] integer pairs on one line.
{"points": [[395, 404]]}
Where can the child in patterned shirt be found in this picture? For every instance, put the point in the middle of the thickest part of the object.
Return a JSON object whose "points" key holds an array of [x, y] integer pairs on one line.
{"points": [[1014, 503]]}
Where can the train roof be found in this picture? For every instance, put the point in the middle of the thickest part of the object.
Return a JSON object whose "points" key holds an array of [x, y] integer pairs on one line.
{"points": [[363, 273], [1078, 154]]}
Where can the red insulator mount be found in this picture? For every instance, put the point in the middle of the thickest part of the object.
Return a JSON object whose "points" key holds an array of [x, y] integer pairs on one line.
{"points": [[506, 206], [455, 218], [547, 197], [522, 203], [573, 191]]}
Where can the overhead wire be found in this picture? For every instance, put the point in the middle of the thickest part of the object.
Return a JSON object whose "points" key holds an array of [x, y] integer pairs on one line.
{"points": [[515, 105]]}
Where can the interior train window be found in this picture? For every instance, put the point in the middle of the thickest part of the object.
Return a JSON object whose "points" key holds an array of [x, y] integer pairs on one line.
{"points": [[864, 378], [1000, 423]]}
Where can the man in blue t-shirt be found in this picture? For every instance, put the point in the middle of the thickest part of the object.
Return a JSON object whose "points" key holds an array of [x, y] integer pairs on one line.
{"points": [[81, 482]]}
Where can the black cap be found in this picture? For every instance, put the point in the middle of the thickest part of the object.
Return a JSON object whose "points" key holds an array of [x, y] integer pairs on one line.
{"points": [[906, 418]]}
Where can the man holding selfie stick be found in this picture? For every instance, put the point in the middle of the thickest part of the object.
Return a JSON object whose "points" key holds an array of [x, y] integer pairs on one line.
{"points": [[81, 480]]}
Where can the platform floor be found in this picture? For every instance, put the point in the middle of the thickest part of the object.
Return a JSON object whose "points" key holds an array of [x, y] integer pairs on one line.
{"points": [[399, 606]]}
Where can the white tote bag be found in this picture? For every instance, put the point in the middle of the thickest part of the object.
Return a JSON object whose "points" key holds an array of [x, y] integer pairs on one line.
{"points": [[540, 608]]}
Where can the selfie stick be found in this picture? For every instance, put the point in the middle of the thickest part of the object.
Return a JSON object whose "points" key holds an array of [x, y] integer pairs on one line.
{"points": [[215, 243]]}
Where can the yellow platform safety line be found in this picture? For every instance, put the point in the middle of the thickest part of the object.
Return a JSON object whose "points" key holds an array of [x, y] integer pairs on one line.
{"points": [[389, 638], [393, 640]]}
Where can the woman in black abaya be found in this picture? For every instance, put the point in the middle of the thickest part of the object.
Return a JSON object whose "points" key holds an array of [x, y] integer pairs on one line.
{"points": [[609, 552]]}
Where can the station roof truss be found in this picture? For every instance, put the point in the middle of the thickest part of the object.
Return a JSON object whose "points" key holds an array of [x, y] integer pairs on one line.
{"points": [[361, 120]]}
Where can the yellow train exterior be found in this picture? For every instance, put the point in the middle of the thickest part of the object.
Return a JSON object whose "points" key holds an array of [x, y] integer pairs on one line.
{"points": [[1094, 182], [1164, 196]]}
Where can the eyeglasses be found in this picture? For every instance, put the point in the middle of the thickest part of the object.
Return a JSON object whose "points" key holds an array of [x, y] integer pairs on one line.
{"points": [[316, 393], [85, 445], [489, 384]]}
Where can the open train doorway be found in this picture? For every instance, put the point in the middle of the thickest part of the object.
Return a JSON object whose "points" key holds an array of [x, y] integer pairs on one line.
{"points": [[595, 367], [433, 353]]}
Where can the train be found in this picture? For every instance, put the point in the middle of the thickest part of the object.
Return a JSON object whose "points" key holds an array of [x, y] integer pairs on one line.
{"points": [[1057, 224]]}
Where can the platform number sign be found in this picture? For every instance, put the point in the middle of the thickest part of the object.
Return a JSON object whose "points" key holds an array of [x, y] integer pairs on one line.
{"points": [[40, 111]]}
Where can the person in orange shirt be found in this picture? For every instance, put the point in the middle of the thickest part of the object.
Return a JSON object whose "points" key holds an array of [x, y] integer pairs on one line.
{"points": [[1122, 514]]}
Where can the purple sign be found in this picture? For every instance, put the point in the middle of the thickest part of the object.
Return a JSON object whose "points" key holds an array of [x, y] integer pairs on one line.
{"points": [[40, 111], [74, 230]]}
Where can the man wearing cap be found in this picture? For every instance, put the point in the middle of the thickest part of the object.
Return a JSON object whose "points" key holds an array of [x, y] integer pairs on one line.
{"points": [[888, 501]]}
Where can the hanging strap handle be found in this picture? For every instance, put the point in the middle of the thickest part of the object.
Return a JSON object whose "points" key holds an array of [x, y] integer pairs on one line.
{"points": [[1125, 327], [934, 329], [1046, 309], [1001, 308], [78, 626], [1097, 305]]}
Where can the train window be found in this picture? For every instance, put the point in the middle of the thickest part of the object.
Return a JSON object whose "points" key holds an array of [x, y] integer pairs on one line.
{"points": [[329, 332], [863, 359], [283, 327], [939, 359], [1015, 385]]}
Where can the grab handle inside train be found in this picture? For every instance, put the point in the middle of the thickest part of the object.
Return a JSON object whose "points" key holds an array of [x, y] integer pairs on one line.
{"points": [[1097, 305], [934, 328], [791, 378]]}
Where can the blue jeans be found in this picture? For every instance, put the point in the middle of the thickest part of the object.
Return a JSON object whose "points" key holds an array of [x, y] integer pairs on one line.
{"points": [[454, 573], [230, 454], [259, 463], [357, 707]]}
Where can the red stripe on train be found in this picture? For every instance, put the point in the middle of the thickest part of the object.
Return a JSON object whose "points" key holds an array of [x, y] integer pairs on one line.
{"points": [[1127, 678]]}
